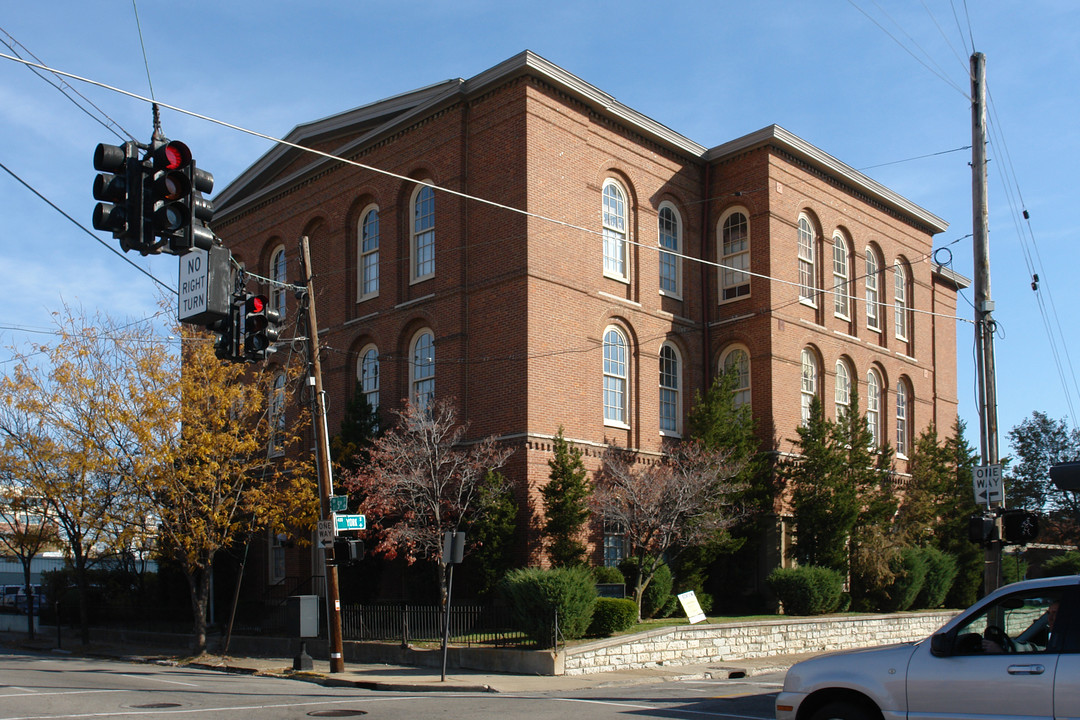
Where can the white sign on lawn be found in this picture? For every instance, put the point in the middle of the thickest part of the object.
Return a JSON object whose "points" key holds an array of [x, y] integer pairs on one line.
{"points": [[691, 607]]}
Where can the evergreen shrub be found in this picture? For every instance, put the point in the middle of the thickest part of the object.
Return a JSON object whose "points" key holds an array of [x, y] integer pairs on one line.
{"points": [[941, 572], [657, 593], [535, 595], [807, 590], [612, 615]]}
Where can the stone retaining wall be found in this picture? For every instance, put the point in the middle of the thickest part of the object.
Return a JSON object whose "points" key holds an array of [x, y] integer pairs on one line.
{"points": [[689, 644]]}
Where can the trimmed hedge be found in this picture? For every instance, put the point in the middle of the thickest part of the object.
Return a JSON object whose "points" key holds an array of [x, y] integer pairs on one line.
{"points": [[807, 590], [612, 615], [535, 595], [941, 572]]}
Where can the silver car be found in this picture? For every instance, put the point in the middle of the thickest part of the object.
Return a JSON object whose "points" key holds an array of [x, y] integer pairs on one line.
{"points": [[1014, 654]]}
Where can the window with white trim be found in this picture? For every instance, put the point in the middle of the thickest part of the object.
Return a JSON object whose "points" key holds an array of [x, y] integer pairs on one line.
{"points": [[615, 231], [902, 413], [670, 397], [738, 359], [616, 377], [900, 301], [422, 369], [670, 237], [873, 298], [368, 375], [734, 256], [809, 388], [422, 245], [843, 390], [278, 271], [873, 406], [277, 416], [807, 285], [841, 291], [368, 239]]}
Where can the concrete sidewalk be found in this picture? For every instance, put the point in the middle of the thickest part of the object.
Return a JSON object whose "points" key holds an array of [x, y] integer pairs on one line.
{"points": [[403, 678]]}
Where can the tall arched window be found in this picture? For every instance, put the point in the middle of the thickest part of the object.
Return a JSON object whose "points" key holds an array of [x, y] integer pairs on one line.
{"points": [[423, 232], [738, 360], [670, 236], [368, 375], [278, 270], [615, 231], [809, 382], [900, 301], [616, 377], [734, 256], [843, 389], [422, 370], [903, 411], [670, 396], [873, 407], [277, 416], [807, 285], [841, 292], [873, 297], [369, 253]]}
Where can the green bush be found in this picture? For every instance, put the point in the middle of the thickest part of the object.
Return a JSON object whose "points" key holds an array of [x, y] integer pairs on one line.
{"points": [[535, 596], [1067, 564], [941, 572], [657, 593], [612, 615], [909, 570], [608, 574], [807, 590]]}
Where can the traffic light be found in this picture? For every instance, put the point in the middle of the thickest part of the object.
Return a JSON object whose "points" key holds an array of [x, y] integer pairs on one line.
{"points": [[119, 187], [1020, 526], [227, 345], [982, 529], [348, 552], [179, 210], [260, 326]]}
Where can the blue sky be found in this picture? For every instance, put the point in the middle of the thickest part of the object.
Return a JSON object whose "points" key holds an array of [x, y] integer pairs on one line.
{"points": [[872, 82]]}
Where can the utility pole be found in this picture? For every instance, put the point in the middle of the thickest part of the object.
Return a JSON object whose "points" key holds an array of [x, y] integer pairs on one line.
{"points": [[322, 458], [984, 306]]}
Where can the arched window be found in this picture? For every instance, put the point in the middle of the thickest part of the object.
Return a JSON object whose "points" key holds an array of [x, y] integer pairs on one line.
{"points": [[807, 285], [873, 298], [734, 256], [368, 375], [277, 274], [423, 232], [368, 237], [738, 359], [670, 236], [422, 369], [873, 407], [843, 389], [277, 416], [615, 233], [809, 382], [841, 291], [900, 301], [616, 377], [903, 411], [670, 397]]}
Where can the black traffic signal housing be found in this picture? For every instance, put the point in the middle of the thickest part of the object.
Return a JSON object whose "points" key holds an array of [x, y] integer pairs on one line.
{"points": [[348, 551], [982, 529], [1019, 527], [177, 206], [260, 326], [227, 344], [119, 187]]}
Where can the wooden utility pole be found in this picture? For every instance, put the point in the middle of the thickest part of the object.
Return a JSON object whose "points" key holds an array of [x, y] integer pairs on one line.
{"points": [[322, 460], [984, 306]]}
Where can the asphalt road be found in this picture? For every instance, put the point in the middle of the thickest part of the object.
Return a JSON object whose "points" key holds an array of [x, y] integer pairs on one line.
{"points": [[36, 686]]}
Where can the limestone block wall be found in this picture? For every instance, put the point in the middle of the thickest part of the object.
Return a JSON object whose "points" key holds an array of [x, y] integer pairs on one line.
{"points": [[690, 644]]}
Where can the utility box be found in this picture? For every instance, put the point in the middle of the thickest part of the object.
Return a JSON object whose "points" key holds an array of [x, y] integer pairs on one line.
{"points": [[302, 616]]}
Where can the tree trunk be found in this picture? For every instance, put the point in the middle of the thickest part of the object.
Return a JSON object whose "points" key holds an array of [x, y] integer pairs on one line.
{"points": [[199, 587], [29, 598]]}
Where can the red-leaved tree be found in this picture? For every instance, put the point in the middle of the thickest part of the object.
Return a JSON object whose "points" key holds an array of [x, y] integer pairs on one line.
{"points": [[422, 481], [680, 501]]}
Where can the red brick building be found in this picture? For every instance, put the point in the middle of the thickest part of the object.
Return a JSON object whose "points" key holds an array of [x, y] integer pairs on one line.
{"points": [[570, 262]]}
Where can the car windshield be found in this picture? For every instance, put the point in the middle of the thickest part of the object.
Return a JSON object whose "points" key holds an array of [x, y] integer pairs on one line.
{"points": [[1015, 623]]}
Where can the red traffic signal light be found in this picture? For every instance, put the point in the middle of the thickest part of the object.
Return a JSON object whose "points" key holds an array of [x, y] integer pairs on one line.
{"points": [[179, 211], [260, 326]]}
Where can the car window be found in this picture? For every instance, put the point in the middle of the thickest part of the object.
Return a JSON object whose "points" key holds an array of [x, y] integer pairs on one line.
{"points": [[1021, 623]]}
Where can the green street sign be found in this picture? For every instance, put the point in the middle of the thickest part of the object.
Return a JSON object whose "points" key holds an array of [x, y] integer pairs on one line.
{"points": [[339, 503], [350, 522]]}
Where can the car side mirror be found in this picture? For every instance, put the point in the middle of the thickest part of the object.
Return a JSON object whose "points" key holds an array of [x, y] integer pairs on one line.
{"points": [[941, 644]]}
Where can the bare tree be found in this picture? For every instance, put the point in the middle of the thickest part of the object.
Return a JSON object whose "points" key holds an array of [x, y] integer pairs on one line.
{"points": [[680, 501], [423, 480]]}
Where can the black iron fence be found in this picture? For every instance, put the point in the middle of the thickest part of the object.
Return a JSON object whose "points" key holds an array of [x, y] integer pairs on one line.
{"points": [[400, 622]]}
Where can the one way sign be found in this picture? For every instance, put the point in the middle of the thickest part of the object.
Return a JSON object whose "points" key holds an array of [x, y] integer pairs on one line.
{"points": [[986, 482]]}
